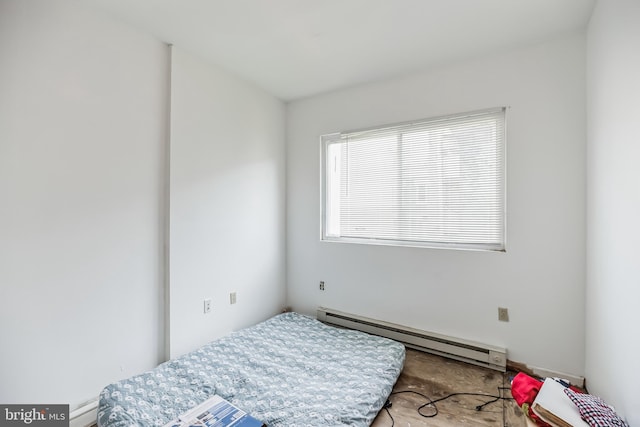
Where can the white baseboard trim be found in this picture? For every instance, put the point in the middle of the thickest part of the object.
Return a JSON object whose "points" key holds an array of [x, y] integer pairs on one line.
{"points": [[547, 373], [575, 380], [85, 415]]}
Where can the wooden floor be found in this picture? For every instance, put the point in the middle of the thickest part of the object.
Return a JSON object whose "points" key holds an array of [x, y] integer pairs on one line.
{"points": [[437, 377]]}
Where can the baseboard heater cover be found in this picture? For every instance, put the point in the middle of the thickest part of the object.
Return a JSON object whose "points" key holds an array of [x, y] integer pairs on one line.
{"points": [[84, 415], [454, 348]]}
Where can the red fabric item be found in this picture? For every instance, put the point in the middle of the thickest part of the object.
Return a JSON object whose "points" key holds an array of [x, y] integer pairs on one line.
{"points": [[524, 389], [576, 389]]}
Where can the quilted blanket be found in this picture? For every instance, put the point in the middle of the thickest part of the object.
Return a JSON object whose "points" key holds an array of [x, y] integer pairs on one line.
{"points": [[290, 370]]}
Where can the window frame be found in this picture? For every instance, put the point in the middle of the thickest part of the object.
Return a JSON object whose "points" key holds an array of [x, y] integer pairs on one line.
{"points": [[332, 138]]}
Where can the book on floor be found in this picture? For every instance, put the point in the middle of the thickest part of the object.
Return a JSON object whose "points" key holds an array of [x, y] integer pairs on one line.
{"points": [[554, 406]]}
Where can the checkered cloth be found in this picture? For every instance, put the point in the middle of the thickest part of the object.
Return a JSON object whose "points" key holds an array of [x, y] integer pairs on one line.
{"points": [[595, 411]]}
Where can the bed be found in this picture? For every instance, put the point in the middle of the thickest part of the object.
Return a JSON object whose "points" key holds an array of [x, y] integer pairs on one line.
{"points": [[290, 370]]}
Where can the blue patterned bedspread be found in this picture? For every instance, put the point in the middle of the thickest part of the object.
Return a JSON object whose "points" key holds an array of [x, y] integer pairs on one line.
{"points": [[290, 370]]}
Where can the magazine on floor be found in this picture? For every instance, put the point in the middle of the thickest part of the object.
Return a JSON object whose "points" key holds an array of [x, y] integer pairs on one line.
{"points": [[215, 412]]}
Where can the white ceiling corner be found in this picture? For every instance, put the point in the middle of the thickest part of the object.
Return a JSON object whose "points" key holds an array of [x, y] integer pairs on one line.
{"points": [[298, 48]]}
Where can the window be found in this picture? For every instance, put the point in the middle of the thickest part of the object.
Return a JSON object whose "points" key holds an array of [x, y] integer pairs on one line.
{"points": [[438, 182]]}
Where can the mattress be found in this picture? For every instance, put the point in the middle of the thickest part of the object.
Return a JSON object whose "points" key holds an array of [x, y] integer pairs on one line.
{"points": [[290, 370]]}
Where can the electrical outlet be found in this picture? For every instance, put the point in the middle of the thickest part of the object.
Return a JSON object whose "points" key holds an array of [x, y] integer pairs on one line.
{"points": [[207, 305], [232, 298], [322, 286], [503, 314]]}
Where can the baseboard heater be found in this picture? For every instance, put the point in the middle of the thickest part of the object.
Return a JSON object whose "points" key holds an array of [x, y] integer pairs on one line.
{"points": [[454, 348], [84, 415]]}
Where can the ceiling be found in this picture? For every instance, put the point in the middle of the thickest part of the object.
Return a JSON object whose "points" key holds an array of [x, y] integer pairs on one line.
{"points": [[298, 48]]}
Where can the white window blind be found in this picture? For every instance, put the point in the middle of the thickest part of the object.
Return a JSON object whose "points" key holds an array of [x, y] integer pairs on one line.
{"points": [[437, 182]]}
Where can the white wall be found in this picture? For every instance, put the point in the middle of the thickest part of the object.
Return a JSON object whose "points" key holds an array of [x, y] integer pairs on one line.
{"points": [[613, 192], [227, 231], [541, 276], [82, 127]]}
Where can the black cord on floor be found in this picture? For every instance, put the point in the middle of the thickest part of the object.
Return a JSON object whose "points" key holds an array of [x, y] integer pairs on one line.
{"points": [[432, 403], [386, 407]]}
